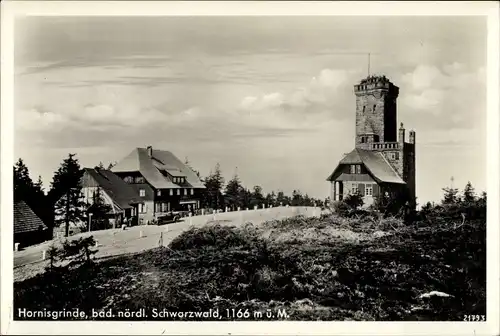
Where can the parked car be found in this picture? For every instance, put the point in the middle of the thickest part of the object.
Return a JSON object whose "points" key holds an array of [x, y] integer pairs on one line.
{"points": [[169, 217]]}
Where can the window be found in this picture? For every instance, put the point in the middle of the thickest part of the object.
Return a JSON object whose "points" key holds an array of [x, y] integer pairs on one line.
{"points": [[178, 192], [158, 193], [358, 169], [142, 208], [394, 156], [192, 192], [354, 189], [185, 192], [139, 179], [171, 192], [353, 169], [374, 106], [128, 179], [157, 207], [142, 192], [363, 139], [369, 190], [164, 207], [364, 108], [175, 179]]}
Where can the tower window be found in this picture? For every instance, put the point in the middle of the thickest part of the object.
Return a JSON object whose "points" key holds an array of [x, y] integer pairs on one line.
{"points": [[363, 139]]}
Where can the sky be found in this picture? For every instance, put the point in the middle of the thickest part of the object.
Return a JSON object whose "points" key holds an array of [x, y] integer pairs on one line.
{"points": [[269, 98]]}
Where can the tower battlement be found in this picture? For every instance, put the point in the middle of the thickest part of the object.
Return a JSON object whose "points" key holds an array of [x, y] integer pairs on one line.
{"points": [[376, 83]]}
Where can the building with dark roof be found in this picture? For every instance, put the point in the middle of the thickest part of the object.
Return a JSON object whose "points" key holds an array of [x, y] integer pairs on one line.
{"points": [[161, 180], [29, 229], [122, 198], [382, 161]]}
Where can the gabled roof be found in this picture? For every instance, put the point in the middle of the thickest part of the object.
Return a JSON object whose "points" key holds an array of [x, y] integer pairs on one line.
{"points": [[378, 167], [151, 168], [121, 193], [25, 220]]}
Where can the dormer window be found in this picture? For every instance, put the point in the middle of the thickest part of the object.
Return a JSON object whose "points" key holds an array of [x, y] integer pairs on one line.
{"points": [[355, 169]]}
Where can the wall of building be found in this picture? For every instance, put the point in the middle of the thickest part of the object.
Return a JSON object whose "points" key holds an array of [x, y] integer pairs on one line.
{"points": [[410, 168], [146, 212], [376, 105]]}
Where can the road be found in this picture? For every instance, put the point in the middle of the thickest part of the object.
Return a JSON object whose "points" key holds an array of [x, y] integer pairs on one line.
{"points": [[139, 238]]}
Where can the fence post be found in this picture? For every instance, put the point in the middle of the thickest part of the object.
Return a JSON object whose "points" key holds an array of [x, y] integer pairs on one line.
{"points": [[44, 255], [255, 207], [160, 242], [214, 215], [141, 234], [203, 212], [190, 219]]}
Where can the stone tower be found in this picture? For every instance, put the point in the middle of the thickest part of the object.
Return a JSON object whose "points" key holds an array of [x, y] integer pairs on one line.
{"points": [[376, 114], [376, 126]]}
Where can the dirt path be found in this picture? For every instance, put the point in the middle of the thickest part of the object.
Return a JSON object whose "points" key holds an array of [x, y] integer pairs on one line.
{"points": [[139, 238]]}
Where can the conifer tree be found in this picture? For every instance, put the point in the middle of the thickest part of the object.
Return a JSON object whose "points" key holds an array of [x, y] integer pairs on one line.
{"points": [[66, 193], [214, 183], [233, 194], [469, 193]]}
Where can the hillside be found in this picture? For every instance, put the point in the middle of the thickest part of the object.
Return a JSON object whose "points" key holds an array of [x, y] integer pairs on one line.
{"points": [[328, 268]]}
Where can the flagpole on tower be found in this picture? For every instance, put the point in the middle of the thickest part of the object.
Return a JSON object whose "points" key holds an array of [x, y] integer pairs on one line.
{"points": [[369, 64]]}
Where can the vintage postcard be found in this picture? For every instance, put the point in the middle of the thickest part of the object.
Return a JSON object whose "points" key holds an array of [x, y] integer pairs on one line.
{"points": [[228, 168]]}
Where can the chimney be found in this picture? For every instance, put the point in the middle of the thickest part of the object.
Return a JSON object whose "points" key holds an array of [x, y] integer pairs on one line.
{"points": [[412, 137], [401, 138], [150, 151]]}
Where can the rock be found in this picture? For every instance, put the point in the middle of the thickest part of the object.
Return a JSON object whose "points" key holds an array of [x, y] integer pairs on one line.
{"points": [[434, 293]]}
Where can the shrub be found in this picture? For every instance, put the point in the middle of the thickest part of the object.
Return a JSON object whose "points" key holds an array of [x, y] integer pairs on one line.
{"points": [[79, 251], [214, 236], [354, 200]]}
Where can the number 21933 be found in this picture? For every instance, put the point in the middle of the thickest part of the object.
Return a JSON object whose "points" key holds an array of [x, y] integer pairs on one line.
{"points": [[475, 318]]}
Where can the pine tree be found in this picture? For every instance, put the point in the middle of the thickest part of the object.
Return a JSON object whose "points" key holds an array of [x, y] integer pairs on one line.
{"points": [[297, 198], [214, 183], [66, 193], [100, 166], [271, 199], [450, 196], [469, 193], [280, 198], [233, 194], [99, 210], [257, 196], [24, 187]]}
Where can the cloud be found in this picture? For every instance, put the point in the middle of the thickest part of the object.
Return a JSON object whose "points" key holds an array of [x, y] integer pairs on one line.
{"points": [[327, 96], [454, 95]]}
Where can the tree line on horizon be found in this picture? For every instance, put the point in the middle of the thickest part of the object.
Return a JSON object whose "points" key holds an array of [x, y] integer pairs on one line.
{"points": [[63, 203]]}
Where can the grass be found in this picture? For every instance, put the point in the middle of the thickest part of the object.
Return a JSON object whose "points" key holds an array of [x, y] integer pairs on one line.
{"points": [[327, 268]]}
